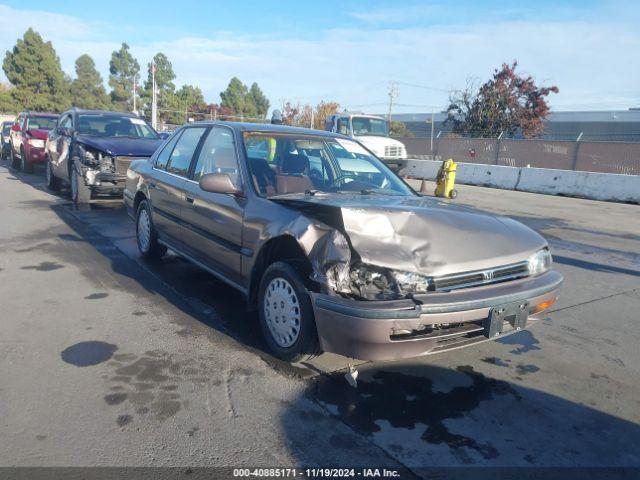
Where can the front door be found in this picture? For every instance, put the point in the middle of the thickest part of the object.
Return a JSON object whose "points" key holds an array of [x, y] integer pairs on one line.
{"points": [[213, 221], [59, 144]]}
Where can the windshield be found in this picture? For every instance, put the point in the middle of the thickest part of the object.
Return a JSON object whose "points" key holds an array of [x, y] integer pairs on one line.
{"points": [[282, 164], [6, 127], [114, 125], [41, 123], [369, 126]]}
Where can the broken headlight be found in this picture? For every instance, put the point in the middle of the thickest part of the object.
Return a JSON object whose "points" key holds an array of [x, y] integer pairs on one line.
{"points": [[372, 283], [540, 262], [95, 159], [411, 283]]}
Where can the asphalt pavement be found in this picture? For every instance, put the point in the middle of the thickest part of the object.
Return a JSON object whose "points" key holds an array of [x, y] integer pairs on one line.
{"points": [[106, 359]]}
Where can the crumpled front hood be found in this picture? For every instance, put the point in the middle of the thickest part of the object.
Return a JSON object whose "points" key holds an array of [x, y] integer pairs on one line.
{"points": [[421, 234], [125, 146], [38, 133]]}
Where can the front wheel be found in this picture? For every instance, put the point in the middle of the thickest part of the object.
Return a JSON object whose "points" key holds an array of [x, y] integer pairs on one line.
{"points": [[80, 192], [25, 166], [286, 315], [146, 234], [53, 182], [14, 159]]}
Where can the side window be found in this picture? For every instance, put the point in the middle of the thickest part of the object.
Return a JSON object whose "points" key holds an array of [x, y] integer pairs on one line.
{"points": [[180, 158], [343, 126], [65, 122], [163, 157], [218, 155]]}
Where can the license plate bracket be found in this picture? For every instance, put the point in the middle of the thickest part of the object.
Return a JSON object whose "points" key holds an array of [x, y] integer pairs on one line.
{"points": [[515, 313]]}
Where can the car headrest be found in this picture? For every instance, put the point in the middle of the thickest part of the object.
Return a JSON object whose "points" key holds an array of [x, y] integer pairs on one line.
{"points": [[294, 163], [111, 129]]}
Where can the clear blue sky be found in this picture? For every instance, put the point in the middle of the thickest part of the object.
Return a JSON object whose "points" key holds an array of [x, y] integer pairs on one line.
{"points": [[349, 51]]}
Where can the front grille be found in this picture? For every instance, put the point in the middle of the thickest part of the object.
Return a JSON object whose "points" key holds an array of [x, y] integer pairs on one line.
{"points": [[122, 164], [392, 151], [481, 277]]}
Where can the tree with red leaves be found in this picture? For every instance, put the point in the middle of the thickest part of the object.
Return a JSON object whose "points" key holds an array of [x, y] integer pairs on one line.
{"points": [[507, 103]]}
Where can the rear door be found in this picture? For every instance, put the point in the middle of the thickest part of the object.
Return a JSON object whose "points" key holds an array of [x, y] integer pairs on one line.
{"points": [[213, 221], [167, 184]]}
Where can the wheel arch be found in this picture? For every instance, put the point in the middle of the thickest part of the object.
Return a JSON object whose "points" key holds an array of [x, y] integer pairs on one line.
{"points": [[283, 248]]}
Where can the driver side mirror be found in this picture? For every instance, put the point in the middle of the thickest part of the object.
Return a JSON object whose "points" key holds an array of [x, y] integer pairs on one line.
{"points": [[219, 183], [16, 127]]}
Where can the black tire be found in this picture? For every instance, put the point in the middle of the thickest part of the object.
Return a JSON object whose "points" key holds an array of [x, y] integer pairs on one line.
{"points": [[150, 249], [53, 182], [80, 192], [306, 344], [14, 159], [25, 166], [453, 194]]}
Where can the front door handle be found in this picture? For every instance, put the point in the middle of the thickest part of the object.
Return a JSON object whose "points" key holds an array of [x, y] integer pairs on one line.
{"points": [[189, 199]]}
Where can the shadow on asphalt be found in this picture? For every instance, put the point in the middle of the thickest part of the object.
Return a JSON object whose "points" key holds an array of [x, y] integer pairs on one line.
{"points": [[429, 415]]}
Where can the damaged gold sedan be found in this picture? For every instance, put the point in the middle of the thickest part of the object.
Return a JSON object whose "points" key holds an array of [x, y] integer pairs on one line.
{"points": [[335, 251]]}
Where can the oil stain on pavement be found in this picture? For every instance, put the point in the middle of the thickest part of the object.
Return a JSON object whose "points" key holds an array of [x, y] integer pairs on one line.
{"points": [[85, 354], [407, 400]]}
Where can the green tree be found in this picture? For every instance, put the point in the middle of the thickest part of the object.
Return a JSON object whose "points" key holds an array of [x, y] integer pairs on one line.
{"points": [[238, 99], [33, 68], [87, 89], [123, 70], [7, 102], [259, 99], [191, 97]]}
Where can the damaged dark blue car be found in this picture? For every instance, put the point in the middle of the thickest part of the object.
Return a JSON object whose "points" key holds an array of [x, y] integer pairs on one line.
{"points": [[91, 151]]}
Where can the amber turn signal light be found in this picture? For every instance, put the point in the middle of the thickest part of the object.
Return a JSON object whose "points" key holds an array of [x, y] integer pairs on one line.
{"points": [[542, 306]]}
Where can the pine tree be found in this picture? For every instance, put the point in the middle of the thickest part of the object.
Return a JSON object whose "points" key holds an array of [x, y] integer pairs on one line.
{"points": [[33, 68], [260, 101], [237, 98], [123, 69], [87, 89]]}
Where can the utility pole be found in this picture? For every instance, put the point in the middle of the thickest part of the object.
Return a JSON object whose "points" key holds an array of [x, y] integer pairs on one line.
{"points": [[433, 116], [154, 97], [311, 126], [134, 93], [393, 93]]}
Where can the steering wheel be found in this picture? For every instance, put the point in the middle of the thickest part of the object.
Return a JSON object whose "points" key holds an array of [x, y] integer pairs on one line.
{"points": [[341, 178]]}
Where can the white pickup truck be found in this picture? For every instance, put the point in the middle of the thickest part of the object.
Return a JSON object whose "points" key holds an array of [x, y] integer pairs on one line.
{"points": [[372, 132]]}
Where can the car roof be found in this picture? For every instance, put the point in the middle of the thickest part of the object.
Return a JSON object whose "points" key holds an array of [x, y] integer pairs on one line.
{"points": [[82, 110], [40, 114], [270, 128]]}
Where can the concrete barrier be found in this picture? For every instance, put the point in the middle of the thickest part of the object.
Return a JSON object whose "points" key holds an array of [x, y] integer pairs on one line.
{"points": [[597, 186], [496, 176]]}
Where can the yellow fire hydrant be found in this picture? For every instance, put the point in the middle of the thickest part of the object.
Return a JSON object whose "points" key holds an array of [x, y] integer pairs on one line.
{"points": [[446, 179]]}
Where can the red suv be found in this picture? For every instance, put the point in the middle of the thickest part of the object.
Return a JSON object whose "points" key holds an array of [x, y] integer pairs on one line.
{"points": [[29, 137]]}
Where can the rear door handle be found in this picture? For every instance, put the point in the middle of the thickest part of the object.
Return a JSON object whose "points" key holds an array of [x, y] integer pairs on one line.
{"points": [[189, 199]]}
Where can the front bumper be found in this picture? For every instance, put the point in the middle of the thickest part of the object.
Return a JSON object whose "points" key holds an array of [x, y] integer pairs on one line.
{"points": [[104, 183], [35, 154], [436, 322]]}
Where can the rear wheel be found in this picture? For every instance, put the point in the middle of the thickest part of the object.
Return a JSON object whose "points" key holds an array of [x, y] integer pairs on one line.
{"points": [[146, 234], [80, 192], [53, 182], [286, 315], [453, 193]]}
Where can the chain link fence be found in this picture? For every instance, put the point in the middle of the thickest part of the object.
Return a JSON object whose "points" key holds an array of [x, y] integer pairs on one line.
{"points": [[588, 156]]}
